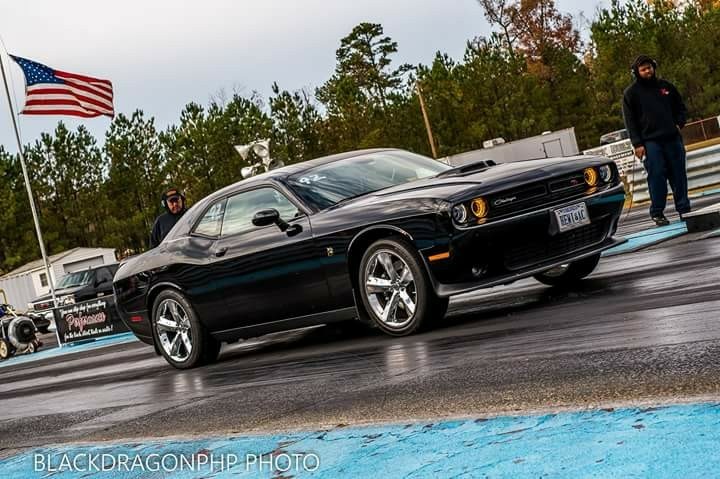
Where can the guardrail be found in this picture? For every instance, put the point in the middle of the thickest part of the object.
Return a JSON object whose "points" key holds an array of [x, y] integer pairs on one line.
{"points": [[703, 169], [703, 162]]}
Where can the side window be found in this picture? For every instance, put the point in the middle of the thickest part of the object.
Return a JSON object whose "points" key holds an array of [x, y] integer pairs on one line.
{"points": [[242, 208], [103, 276], [211, 223]]}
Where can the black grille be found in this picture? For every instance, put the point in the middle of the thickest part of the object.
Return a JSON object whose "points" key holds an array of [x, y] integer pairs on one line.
{"points": [[537, 194], [518, 195], [523, 255], [575, 182]]}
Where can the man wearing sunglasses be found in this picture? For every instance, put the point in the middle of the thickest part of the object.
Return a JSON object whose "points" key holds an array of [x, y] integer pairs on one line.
{"points": [[173, 200]]}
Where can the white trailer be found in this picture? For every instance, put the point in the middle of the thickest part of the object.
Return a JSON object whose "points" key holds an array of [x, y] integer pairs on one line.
{"points": [[548, 145]]}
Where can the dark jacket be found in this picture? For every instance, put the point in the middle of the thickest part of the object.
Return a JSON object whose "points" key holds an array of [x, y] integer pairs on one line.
{"points": [[653, 110], [163, 224]]}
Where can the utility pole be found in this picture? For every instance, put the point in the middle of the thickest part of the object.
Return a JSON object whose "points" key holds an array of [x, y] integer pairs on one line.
{"points": [[427, 119]]}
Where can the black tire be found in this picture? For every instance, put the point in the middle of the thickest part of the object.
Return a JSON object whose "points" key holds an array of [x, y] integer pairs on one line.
{"points": [[571, 274], [204, 348], [428, 308]]}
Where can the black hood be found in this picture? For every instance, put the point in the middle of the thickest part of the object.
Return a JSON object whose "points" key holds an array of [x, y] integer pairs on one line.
{"points": [[485, 180]]}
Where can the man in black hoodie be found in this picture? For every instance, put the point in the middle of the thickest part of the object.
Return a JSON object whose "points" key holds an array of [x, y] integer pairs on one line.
{"points": [[654, 114], [174, 203]]}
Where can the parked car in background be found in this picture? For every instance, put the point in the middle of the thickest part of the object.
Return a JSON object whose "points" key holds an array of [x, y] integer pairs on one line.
{"points": [[73, 288], [386, 236], [613, 137]]}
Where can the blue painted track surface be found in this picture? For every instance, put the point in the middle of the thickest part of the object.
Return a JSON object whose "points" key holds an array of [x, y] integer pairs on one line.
{"points": [[70, 349], [666, 442], [645, 238]]}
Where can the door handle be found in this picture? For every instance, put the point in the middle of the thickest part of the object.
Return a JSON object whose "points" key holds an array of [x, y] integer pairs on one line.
{"points": [[220, 252]]}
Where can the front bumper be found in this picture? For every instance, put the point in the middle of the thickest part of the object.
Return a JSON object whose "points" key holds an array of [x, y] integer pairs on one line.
{"points": [[504, 251]]}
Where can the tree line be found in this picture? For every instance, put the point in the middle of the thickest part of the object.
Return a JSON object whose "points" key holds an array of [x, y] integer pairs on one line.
{"points": [[531, 74]]}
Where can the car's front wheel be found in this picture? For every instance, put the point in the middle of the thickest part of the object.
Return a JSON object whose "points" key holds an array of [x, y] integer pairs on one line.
{"points": [[395, 289], [567, 274], [182, 339], [4, 349]]}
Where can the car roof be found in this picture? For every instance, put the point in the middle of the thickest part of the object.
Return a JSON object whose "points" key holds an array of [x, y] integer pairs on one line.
{"points": [[99, 266], [285, 171]]}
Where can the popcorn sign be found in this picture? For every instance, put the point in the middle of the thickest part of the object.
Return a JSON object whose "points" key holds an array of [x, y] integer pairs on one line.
{"points": [[88, 320]]}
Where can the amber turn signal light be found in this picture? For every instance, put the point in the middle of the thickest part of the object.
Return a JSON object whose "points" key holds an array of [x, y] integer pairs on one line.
{"points": [[438, 257]]}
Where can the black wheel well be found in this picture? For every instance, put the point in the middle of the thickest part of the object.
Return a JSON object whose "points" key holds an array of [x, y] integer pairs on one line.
{"points": [[154, 294], [362, 242]]}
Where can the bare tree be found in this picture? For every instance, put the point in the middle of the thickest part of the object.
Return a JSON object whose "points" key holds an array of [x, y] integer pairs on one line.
{"points": [[502, 14]]}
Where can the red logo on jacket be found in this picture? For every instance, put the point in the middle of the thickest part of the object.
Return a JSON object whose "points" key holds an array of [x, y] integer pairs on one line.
{"points": [[664, 91]]}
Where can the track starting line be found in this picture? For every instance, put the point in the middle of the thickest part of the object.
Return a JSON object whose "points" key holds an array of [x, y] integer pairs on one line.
{"points": [[671, 441]]}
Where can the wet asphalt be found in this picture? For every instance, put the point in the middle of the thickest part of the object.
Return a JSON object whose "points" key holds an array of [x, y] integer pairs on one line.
{"points": [[644, 328]]}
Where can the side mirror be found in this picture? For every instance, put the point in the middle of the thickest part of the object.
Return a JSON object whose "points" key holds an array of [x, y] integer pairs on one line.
{"points": [[266, 217]]}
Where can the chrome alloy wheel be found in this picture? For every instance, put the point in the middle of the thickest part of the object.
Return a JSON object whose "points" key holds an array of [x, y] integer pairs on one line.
{"points": [[390, 288], [174, 330]]}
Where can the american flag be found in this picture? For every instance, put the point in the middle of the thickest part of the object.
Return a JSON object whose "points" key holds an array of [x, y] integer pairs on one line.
{"points": [[54, 92]]}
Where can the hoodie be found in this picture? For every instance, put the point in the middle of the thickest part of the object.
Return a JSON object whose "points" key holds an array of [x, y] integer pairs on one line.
{"points": [[652, 109], [163, 224]]}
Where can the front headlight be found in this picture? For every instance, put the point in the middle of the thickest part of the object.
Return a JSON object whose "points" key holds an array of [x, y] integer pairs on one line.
{"points": [[479, 207], [459, 213], [591, 176], [606, 173]]}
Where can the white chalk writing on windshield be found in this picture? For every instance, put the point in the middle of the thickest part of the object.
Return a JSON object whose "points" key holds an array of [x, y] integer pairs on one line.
{"points": [[306, 180]]}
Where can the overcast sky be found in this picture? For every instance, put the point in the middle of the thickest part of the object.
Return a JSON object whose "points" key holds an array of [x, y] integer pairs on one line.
{"points": [[162, 54]]}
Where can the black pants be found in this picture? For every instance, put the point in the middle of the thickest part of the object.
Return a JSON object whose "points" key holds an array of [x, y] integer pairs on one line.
{"points": [[665, 162]]}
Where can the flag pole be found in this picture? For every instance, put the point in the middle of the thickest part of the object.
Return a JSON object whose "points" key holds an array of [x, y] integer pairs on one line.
{"points": [[30, 194]]}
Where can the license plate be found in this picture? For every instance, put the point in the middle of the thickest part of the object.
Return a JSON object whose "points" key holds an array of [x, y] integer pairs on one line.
{"points": [[571, 217]]}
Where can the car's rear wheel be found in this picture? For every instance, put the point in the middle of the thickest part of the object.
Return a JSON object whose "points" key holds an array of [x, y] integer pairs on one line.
{"points": [[395, 289], [182, 339], [567, 274]]}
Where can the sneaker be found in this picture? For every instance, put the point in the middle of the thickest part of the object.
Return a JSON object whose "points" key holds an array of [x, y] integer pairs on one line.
{"points": [[660, 220]]}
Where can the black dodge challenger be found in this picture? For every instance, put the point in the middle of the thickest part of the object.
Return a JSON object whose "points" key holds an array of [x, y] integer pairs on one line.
{"points": [[384, 236]]}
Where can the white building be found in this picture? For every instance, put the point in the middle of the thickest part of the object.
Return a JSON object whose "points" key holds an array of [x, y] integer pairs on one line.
{"points": [[27, 282]]}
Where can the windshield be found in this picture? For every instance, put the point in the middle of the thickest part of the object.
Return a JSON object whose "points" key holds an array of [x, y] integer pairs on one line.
{"points": [[328, 185], [75, 279]]}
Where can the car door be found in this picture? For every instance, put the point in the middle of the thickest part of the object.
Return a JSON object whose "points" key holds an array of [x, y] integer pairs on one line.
{"points": [[265, 274]]}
